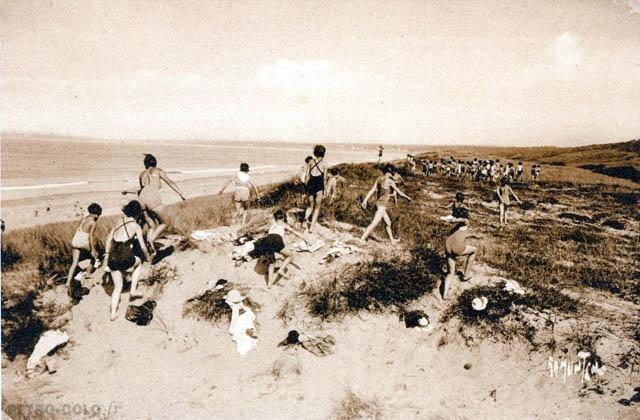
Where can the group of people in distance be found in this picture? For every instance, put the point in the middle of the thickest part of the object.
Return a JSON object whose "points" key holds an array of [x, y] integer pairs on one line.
{"points": [[482, 171], [131, 242]]}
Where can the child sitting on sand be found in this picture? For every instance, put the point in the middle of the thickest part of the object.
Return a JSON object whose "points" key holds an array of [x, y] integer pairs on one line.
{"points": [[83, 242], [458, 203], [504, 192], [242, 194], [274, 243], [332, 183], [456, 246]]}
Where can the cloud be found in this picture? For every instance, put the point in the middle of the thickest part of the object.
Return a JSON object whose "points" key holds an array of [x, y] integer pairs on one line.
{"points": [[565, 53], [304, 77]]}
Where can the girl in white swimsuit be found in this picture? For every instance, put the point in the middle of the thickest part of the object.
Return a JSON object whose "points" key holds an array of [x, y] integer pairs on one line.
{"points": [[82, 241], [242, 194]]}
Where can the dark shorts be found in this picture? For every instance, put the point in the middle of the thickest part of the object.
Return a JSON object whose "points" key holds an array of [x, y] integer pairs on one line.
{"points": [[315, 185], [121, 257], [267, 245]]}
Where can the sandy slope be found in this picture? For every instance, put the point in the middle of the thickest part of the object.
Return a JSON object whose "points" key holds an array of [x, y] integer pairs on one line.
{"points": [[182, 368]]}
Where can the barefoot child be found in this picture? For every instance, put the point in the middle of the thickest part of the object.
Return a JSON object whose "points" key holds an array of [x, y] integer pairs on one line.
{"points": [[242, 195], [83, 241], [456, 246], [504, 192], [315, 177], [274, 242], [383, 187], [119, 257]]}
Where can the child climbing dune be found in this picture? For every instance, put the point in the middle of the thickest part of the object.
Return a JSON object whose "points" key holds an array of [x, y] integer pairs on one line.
{"points": [[83, 241]]}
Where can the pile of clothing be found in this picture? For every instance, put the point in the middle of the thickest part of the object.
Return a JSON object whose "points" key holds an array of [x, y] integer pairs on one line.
{"points": [[336, 251], [318, 346], [141, 315]]}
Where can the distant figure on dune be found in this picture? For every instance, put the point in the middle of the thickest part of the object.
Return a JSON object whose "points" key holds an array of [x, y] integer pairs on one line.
{"points": [[380, 151], [315, 176], [149, 197], [332, 183], [119, 257], [83, 242], [302, 172], [383, 187], [242, 195], [504, 192], [519, 172], [456, 246]]}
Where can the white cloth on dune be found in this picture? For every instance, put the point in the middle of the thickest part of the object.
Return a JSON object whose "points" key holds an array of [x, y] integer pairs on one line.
{"points": [[242, 325], [214, 235], [336, 251], [513, 287], [303, 247], [48, 341]]}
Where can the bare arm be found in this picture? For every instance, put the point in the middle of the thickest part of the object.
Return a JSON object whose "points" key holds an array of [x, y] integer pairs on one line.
{"points": [[369, 194], [515, 196], [143, 245], [92, 248], [226, 185], [295, 232], [170, 183], [400, 193], [107, 246], [255, 189]]}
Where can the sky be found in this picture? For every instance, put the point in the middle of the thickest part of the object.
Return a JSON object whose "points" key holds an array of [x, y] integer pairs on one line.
{"points": [[517, 73]]}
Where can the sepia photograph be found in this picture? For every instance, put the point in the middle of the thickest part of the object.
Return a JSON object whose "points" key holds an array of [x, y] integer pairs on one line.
{"points": [[320, 209]]}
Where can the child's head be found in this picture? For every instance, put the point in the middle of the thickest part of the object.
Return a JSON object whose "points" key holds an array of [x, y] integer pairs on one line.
{"points": [[519, 163], [308, 159], [460, 197], [94, 208], [504, 182], [279, 215], [132, 209], [244, 167], [319, 151], [150, 161]]}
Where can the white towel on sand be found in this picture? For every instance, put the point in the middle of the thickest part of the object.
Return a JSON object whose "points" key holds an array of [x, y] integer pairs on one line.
{"points": [[303, 247], [242, 324], [48, 341]]}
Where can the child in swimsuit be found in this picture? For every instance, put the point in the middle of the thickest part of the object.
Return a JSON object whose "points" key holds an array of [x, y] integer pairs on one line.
{"points": [[458, 203], [119, 258], [456, 246], [332, 183], [274, 243], [242, 193], [504, 192], [519, 172], [149, 197], [83, 242], [383, 187], [302, 171], [316, 170]]}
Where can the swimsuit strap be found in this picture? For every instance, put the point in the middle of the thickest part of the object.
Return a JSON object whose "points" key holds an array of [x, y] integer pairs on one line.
{"points": [[316, 166], [124, 225]]}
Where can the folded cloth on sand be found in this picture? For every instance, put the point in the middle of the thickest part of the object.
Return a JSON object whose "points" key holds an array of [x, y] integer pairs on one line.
{"points": [[448, 218], [319, 346], [336, 251], [242, 328], [513, 287], [304, 247], [48, 341], [141, 315], [214, 235], [242, 252]]}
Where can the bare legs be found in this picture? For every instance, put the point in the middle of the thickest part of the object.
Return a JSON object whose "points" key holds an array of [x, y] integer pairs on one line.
{"points": [[241, 212], [273, 278], [381, 214], [160, 226], [470, 253], [313, 211], [503, 214], [118, 281], [76, 258]]}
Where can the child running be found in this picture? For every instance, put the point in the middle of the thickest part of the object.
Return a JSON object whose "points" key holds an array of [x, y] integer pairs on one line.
{"points": [[119, 258], [149, 197], [456, 246], [383, 187], [315, 176], [83, 242], [242, 195], [274, 243], [504, 192]]}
